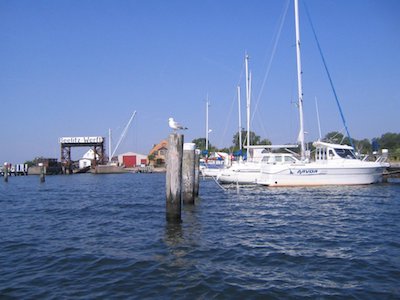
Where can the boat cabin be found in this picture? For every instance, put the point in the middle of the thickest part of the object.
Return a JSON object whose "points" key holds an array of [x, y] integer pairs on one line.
{"points": [[279, 158], [328, 151]]}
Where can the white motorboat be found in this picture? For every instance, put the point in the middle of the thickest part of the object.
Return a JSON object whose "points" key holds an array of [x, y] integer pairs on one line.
{"points": [[334, 165]]}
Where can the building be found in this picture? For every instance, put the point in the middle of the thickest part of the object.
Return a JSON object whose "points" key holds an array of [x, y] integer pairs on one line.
{"points": [[86, 160], [157, 154], [131, 160]]}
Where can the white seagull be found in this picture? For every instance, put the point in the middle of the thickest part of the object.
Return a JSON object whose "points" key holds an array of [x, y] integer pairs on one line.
{"points": [[175, 125]]}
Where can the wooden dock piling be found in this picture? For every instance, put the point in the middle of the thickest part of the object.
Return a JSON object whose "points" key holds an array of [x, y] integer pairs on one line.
{"points": [[174, 177], [42, 172], [196, 172], [5, 171], [188, 173]]}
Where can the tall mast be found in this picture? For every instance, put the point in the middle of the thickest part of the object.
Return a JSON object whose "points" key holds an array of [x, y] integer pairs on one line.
{"points": [[207, 130], [109, 145], [299, 83], [248, 100], [240, 120]]}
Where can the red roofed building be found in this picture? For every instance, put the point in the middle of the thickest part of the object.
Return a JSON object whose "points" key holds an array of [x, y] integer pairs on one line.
{"points": [[157, 154]]}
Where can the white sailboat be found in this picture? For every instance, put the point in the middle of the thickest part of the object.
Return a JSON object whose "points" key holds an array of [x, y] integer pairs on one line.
{"points": [[212, 165], [244, 172], [333, 164]]}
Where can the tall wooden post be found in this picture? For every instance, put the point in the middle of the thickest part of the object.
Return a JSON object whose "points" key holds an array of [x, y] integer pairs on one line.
{"points": [[5, 171], [188, 173], [196, 172], [42, 172], [174, 177]]}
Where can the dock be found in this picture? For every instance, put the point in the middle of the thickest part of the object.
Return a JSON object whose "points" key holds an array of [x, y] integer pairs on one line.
{"points": [[393, 171], [16, 170]]}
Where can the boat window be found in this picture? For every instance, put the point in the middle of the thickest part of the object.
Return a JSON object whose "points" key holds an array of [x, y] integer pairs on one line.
{"points": [[289, 159], [345, 153], [278, 158], [321, 154], [265, 159]]}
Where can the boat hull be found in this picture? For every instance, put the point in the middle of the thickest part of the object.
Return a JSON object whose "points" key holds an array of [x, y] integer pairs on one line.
{"points": [[242, 173], [315, 175]]}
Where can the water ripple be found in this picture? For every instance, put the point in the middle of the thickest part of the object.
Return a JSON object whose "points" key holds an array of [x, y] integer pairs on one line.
{"points": [[89, 236]]}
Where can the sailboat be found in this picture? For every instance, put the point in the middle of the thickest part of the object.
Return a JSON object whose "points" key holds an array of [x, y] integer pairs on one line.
{"points": [[212, 165], [244, 172], [333, 164]]}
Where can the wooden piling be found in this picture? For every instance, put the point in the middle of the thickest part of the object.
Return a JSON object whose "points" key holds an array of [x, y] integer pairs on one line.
{"points": [[42, 172], [188, 173], [5, 171], [196, 172], [174, 177]]}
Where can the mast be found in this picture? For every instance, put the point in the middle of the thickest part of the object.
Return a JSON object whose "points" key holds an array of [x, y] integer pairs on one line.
{"points": [[207, 130], [248, 99], [109, 145], [299, 83], [240, 120]]}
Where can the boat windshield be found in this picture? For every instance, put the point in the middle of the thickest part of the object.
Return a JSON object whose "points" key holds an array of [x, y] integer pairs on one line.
{"points": [[278, 159], [345, 153]]}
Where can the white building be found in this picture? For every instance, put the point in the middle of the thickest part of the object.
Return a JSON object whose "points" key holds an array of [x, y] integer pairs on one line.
{"points": [[86, 160]]}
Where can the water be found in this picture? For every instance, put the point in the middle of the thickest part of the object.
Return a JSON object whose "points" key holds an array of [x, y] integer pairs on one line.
{"points": [[105, 236]]}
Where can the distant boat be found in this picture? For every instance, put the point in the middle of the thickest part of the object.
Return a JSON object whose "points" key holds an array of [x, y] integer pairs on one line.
{"points": [[213, 165], [334, 164]]}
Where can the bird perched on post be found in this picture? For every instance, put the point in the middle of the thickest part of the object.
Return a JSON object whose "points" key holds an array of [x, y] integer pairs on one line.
{"points": [[175, 125]]}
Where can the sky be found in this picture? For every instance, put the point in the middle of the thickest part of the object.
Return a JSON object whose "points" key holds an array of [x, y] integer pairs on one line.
{"points": [[81, 67]]}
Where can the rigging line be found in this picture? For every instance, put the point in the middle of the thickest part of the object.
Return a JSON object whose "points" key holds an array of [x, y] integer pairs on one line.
{"points": [[232, 104], [277, 37], [329, 76]]}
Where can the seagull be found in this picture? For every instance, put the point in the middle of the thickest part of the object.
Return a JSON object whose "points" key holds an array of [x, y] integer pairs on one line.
{"points": [[175, 125]]}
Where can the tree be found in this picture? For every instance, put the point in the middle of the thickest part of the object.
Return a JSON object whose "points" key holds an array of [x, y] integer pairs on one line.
{"points": [[338, 138], [390, 141], [254, 140], [363, 146], [201, 144]]}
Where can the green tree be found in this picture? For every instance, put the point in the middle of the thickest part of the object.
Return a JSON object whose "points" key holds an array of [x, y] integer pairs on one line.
{"points": [[254, 140], [390, 141], [338, 138], [201, 144], [363, 146]]}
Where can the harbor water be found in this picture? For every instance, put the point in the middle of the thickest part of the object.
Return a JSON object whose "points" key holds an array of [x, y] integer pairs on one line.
{"points": [[105, 236]]}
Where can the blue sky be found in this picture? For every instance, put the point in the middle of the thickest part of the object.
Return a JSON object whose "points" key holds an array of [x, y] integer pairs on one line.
{"points": [[78, 68]]}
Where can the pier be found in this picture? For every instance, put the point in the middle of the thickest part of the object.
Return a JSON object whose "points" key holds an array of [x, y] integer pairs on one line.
{"points": [[15, 170], [97, 142], [393, 171]]}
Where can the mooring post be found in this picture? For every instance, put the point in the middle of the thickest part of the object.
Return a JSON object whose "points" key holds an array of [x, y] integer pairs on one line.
{"points": [[196, 172], [174, 177], [42, 172], [5, 171], [188, 173]]}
